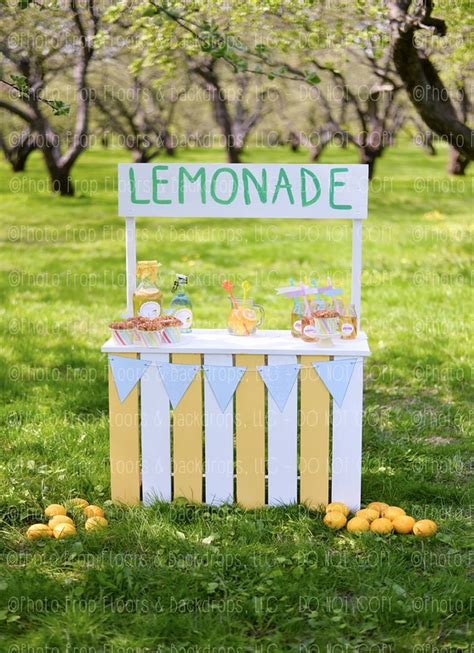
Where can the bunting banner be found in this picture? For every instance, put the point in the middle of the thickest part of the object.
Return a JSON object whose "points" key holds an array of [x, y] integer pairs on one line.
{"points": [[223, 380], [336, 376], [279, 380], [177, 378], [127, 372]]}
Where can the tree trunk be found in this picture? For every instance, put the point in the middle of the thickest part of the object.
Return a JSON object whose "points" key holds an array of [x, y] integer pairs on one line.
{"points": [[223, 119], [325, 136], [18, 154], [420, 78], [61, 180], [368, 155], [19, 158], [168, 143], [139, 156], [428, 143], [317, 150], [294, 141], [221, 111], [457, 163]]}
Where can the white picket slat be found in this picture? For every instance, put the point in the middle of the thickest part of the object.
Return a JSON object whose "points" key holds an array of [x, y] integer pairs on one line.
{"points": [[282, 443], [155, 433], [347, 443], [219, 441]]}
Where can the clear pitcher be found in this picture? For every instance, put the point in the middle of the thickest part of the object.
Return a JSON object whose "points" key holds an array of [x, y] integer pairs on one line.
{"points": [[245, 319]]}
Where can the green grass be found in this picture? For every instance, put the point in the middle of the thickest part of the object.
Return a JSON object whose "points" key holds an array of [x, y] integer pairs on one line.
{"points": [[271, 580]]}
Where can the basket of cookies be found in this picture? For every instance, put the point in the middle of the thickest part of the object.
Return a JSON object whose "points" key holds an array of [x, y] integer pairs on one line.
{"points": [[148, 332]]}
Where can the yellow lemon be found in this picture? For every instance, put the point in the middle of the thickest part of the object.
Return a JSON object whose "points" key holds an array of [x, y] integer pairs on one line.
{"points": [[337, 506], [55, 509], [77, 503], [392, 511], [368, 513], [96, 522], [93, 511], [59, 519], [358, 525], [335, 520], [37, 531], [61, 531], [403, 524], [381, 525], [425, 528], [380, 506]]}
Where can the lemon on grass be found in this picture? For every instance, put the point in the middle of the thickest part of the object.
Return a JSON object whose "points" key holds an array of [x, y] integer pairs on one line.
{"points": [[338, 506], [60, 531], [380, 506], [425, 528], [93, 511], [358, 525], [381, 525], [54, 509], [335, 520], [403, 524], [37, 531], [59, 519], [392, 512], [96, 522], [368, 513], [77, 502]]}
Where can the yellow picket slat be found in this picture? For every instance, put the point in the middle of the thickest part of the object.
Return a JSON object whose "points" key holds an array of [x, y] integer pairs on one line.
{"points": [[124, 443], [187, 436], [314, 442], [250, 434]]}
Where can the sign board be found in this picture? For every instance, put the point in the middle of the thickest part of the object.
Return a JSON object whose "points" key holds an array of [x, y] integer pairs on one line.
{"points": [[216, 190]]}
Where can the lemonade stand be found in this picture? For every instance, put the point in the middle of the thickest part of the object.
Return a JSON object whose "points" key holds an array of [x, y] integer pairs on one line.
{"points": [[267, 419]]}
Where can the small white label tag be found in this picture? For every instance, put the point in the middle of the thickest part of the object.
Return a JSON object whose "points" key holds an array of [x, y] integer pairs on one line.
{"points": [[310, 331], [185, 315], [150, 310], [347, 328]]}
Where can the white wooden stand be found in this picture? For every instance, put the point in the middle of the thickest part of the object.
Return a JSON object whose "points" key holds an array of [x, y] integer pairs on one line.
{"points": [[252, 452]]}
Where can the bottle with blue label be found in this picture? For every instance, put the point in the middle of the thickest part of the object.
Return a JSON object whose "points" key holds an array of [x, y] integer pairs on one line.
{"points": [[181, 306]]}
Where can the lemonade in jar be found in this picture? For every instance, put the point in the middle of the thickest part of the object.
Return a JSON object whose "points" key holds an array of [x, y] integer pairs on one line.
{"points": [[147, 298]]}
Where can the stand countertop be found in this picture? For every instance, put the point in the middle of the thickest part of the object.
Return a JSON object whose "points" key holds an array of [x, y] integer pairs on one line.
{"points": [[219, 341]]}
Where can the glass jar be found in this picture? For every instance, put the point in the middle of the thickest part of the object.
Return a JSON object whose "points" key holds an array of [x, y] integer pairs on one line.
{"points": [[181, 306], [348, 323], [308, 330], [147, 298], [296, 316], [243, 319]]}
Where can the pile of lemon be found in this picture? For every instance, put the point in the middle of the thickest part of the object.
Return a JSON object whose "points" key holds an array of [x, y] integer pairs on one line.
{"points": [[378, 517], [60, 525]]}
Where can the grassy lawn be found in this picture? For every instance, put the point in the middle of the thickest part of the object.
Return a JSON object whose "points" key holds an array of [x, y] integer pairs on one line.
{"points": [[270, 580]]}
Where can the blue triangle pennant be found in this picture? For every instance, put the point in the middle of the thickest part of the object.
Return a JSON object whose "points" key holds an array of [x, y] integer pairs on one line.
{"points": [[336, 376], [223, 380], [177, 378], [279, 380], [127, 372]]}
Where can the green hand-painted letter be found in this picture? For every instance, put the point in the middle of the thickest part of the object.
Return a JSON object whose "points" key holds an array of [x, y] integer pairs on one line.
{"points": [[261, 188], [332, 185], [200, 175], [304, 198], [133, 191], [235, 186], [283, 183], [156, 182]]}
